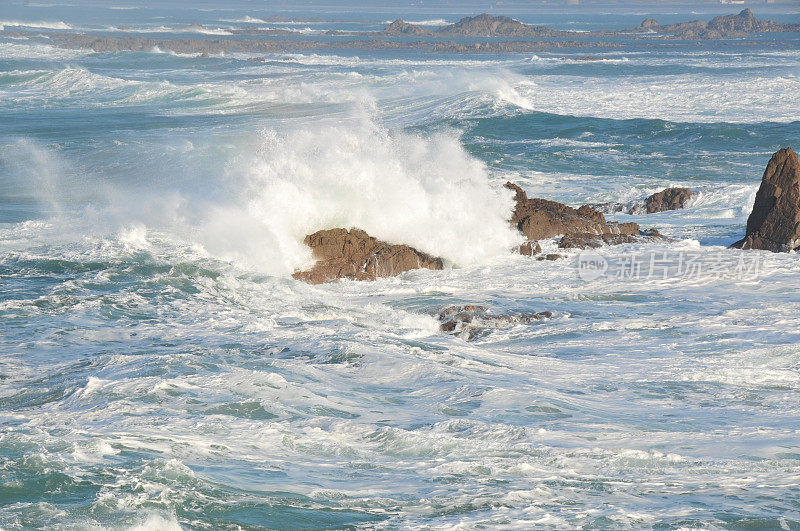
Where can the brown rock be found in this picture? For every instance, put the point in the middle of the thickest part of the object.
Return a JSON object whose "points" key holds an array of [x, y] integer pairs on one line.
{"points": [[541, 219], [668, 199], [356, 255], [774, 223]]}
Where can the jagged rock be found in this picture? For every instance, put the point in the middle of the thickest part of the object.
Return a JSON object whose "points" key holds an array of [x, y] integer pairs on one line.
{"points": [[469, 320], [540, 219], [401, 27], [356, 255], [648, 24], [720, 27], [668, 199], [774, 223], [485, 25]]}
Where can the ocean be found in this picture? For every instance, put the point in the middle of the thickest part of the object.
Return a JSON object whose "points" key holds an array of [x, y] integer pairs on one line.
{"points": [[160, 368]]}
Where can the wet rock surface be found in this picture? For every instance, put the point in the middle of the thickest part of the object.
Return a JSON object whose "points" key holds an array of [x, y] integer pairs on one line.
{"points": [[774, 223], [669, 199], [356, 255], [540, 219], [469, 321]]}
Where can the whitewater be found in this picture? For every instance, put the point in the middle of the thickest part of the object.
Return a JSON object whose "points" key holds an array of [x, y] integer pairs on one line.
{"points": [[160, 368]]}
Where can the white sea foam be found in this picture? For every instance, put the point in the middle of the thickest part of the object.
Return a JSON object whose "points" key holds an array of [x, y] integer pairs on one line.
{"points": [[437, 22], [703, 98], [57, 25]]}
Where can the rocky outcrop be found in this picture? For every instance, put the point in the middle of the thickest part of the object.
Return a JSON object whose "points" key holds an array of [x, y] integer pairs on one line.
{"points": [[774, 223], [743, 23], [356, 255], [470, 320], [648, 24], [485, 25], [540, 219], [669, 199], [401, 27]]}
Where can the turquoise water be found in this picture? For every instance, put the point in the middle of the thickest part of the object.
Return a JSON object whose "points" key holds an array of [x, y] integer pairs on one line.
{"points": [[159, 367]]}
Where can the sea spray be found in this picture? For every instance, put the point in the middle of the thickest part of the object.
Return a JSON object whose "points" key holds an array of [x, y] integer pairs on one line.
{"points": [[277, 186], [427, 192]]}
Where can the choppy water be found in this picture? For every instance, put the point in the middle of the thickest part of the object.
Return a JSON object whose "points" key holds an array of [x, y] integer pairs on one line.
{"points": [[161, 369]]}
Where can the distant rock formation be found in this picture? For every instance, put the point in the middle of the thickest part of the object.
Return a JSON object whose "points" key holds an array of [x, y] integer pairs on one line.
{"points": [[774, 223], [540, 219], [469, 320], [356, 255], [401, 27], [719, 27], [485, 25]]}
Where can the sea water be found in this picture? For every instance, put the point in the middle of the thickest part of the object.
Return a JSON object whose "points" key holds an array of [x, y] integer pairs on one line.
{"points": [[160, 369]]}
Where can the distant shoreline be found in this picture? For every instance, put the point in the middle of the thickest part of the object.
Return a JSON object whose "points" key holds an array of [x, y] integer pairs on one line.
{"points": [[507, 36]]}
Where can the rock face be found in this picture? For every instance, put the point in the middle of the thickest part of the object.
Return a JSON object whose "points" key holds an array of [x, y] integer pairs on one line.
{"points": [[356, 255], [401, 27], [539, 219], [774, 223], [669, 199], [469, 320]]}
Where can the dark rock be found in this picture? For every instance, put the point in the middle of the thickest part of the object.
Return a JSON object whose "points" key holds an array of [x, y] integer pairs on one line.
{"points": [[774, 223], [648, 24], [356, 255], [669, 199], [551, 257], [401, 27], [469, 320], [485, 25], [530, 248]]}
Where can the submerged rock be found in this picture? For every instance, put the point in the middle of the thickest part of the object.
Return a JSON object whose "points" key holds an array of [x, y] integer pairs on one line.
{"points": [[774, 223], [593, 241], [469, 320], [356, 255]]}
